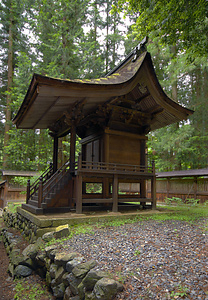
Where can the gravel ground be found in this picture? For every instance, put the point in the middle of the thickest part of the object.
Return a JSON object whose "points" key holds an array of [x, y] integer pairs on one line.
{"points": [[154, 260]]}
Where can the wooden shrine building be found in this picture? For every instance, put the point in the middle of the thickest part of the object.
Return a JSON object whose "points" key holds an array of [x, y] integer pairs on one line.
{"points": [[112, 116]]}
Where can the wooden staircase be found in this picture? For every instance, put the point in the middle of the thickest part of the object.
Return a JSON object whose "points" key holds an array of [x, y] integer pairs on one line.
{"points": [[49, 189]]}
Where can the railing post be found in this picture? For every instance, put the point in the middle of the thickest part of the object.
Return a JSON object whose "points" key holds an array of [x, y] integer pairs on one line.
{"points": [[28, 191], [40, 192], [153, 186]]}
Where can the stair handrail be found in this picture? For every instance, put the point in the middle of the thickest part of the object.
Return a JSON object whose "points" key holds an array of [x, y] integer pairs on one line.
{"points": [[31, 189], [55, 178]]}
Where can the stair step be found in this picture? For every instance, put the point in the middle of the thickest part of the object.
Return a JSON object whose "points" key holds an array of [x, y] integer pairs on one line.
{"points": [[32, 209], [43, 205], [33, 202], [34, 198], [47, 200]]}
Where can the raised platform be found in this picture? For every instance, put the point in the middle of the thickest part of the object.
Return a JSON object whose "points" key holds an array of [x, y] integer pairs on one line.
{"points": [[48, 222]]}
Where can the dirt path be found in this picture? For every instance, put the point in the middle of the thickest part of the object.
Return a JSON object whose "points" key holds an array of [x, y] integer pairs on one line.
{"points": [[6, 283]]}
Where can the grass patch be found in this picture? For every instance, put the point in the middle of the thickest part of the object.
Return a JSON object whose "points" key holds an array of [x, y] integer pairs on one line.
{"points": [[181, 213], [12, 206], [26, 289]]}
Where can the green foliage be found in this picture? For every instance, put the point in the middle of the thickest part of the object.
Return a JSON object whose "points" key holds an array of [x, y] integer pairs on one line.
{"points": [[22, 181], [12, 206], [137, 252], [179, 201], [29, 150], [25, 290], [66, 146], [183, 212], [192, 201], [182, 292], [95, 188], [173, 200], [173, 21], [179, 146]]}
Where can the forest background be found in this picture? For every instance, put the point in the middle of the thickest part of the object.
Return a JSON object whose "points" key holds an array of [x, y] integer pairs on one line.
{"points": [[85, 39]]}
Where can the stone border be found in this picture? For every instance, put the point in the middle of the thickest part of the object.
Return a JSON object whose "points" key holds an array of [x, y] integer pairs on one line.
{"points": [[68, 275]]}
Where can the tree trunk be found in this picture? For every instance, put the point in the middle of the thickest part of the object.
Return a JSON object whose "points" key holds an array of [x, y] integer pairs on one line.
{"points": [[107, 39], [9, 86]]}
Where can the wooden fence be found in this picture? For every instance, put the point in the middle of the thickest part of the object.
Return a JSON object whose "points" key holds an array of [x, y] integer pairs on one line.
{"points": [[10, 192], [184, 188], [188, 184]]}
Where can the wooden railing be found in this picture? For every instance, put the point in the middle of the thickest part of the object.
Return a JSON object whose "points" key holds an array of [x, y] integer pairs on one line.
{"points": [[32, 189], [48, 181], [112, 168]]}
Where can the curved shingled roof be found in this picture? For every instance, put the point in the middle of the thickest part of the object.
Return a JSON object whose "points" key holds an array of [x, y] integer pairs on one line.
{"points": [[130, 99]]}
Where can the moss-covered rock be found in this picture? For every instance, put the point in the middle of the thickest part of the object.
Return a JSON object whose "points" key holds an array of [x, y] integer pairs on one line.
{"points": [[73, 263], [82, 269], [105, 289], [61, 259], [62, 231], [91, 278]]}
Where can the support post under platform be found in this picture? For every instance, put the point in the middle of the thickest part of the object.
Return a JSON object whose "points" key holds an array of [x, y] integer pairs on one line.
{"points": [[153, 186], [115, 193]]}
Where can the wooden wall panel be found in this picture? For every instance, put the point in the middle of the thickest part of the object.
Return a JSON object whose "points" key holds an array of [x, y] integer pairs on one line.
{"points": [[124, 150]]}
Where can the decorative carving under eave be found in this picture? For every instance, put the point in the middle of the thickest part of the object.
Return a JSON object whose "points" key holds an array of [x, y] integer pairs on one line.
{"points": [[76, 111], [70, 117], [58, 127]]}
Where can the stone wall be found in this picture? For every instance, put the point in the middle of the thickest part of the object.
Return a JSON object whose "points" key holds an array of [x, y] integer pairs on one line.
{"points": [[20, 223], [68, 275]]}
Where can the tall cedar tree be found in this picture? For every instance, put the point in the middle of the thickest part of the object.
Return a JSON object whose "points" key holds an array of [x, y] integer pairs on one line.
{"points": [[12, 40]]}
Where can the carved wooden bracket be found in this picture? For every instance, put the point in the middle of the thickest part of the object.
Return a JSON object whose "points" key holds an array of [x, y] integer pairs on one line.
{"points": [[70, 117]]}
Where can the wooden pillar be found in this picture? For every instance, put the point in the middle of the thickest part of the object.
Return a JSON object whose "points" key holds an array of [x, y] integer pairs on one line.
{"points": [[153, 186], [115, 193], [106, 183], [28, 191], [3, 197], [142, 163], [195, 187], [78, 183], [168, 187], [78, 194], [72, 146], [40, 192], [6, 188], [55, 153]]}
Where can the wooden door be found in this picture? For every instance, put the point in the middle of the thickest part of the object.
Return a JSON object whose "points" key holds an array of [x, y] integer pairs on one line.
{"points": [[93, 151], [89, 152]]}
